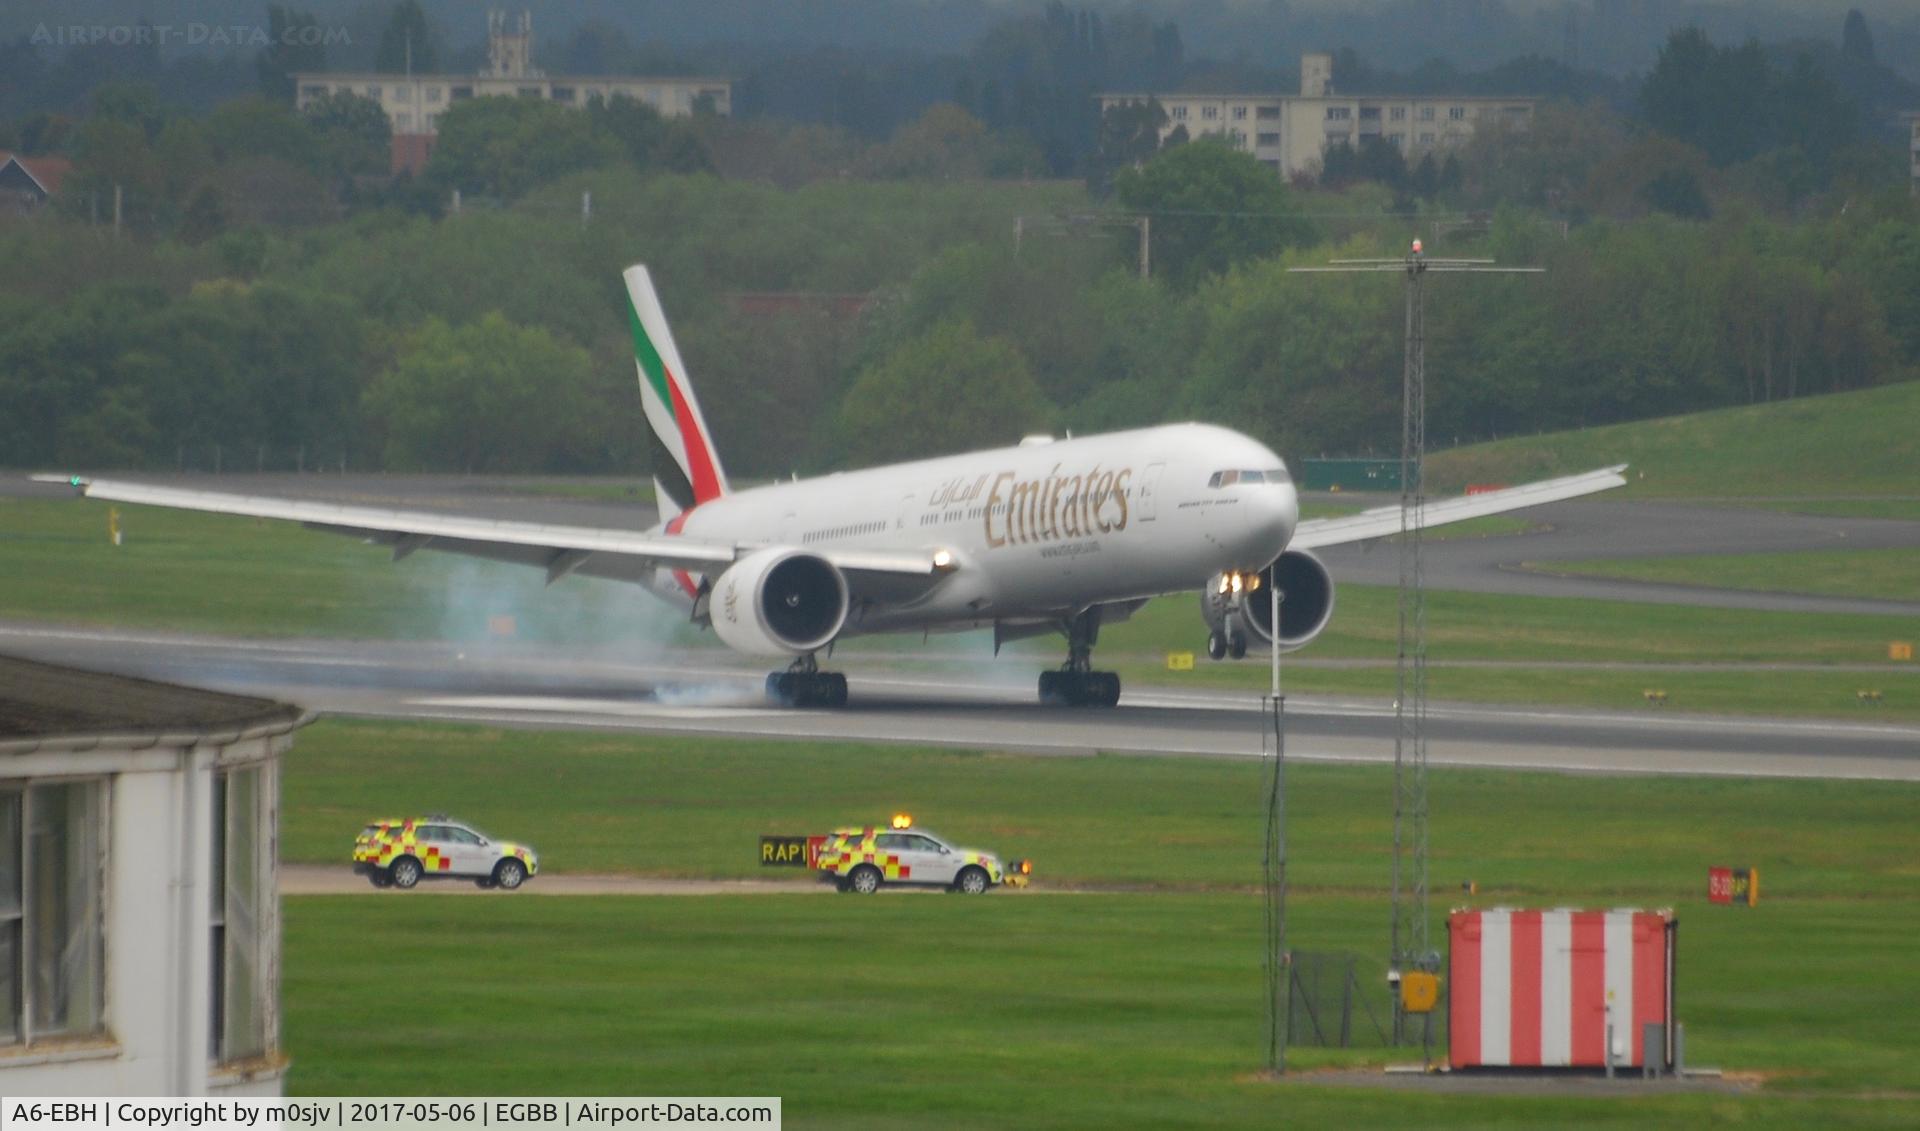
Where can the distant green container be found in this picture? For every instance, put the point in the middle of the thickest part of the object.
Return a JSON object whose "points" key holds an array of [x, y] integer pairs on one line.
{"points": [[1350, 474]]}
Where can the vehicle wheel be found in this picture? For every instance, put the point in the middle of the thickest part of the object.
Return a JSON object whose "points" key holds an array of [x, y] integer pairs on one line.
{"points": [[842, 886], [1052, 693], [836, 695], [1216, 646], [484, 883], [405, 872], [1108, 684], [379, 879], [865, 879], [1238, 648], [972, 881], [780, 688], [509, 873]]}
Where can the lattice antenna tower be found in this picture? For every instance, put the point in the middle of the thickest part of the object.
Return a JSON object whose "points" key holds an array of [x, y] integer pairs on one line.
{"points": [[1411, 949]]}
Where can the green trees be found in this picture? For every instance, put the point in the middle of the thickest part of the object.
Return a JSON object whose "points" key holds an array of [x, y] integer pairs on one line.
{"points": [[1211, 207], [504, 146], [406, 44], [487, 396], [294, 45], [1732, 104], [944, 391]]}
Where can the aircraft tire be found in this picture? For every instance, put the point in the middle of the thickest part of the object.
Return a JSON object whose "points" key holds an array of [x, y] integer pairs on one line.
{"points": [[1216, 646], [1238, 649]]}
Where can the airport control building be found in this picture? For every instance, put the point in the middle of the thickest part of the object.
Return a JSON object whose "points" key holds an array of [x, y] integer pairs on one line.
{"points": [[139, 906]]}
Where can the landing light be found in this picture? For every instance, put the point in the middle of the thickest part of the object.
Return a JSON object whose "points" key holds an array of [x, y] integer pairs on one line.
{"points": [[902, 821], [943, 559]]}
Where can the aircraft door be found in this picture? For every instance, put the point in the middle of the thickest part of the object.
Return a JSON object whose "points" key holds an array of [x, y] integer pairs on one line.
{"points": [[1149, 491]]}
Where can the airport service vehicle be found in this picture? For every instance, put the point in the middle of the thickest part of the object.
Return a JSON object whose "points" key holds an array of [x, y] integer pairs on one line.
{"points": [[864, 859], [401, 853], [1048, 536]]}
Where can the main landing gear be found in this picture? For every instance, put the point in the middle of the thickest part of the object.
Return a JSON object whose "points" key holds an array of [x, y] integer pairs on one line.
{"points": [[1076, 684], [805, 685]]}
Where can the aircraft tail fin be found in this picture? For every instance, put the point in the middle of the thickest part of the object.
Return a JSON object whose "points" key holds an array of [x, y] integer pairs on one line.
{"points": [[672, 411]]}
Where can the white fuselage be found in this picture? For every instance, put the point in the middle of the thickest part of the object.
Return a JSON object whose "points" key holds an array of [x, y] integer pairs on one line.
{"points": [[1035, 532]]}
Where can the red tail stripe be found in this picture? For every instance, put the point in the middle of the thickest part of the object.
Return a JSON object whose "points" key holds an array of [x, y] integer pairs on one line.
{"points": [[706, 483]]}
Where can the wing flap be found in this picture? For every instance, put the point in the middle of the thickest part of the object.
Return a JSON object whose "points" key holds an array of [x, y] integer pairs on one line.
{"points": [[1384, 522]]}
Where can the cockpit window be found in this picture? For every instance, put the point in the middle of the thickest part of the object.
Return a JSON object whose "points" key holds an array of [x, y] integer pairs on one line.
{"points": [[1256, 475]]}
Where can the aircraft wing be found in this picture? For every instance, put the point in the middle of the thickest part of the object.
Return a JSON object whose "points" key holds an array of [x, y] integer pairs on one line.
{"points": [[560, 550], [1384, 522]]}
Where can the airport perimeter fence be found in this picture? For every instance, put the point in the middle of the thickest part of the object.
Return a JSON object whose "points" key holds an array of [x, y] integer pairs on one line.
{"points": [[1338, 1000]]}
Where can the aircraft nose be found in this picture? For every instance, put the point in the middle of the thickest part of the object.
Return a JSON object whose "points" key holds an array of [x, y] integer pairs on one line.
{"points": [[1272, 515]]}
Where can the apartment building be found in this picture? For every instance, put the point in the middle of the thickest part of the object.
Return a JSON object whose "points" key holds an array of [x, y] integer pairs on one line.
{"points": [[1291, 133], [414, 102]]}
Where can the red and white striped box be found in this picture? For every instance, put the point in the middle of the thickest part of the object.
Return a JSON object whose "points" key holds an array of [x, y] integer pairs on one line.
{"points": [[1539, 988]]}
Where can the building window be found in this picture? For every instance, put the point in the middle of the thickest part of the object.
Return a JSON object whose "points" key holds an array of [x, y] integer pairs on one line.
{"points": [[1239, 113], [530, 92], [1267, 113], [1238, 138], [52, 955], [433, 94], [1399, 140], [1426, 113], [1267, 139], [1457, 113], [1339, 113], [563, 94], [241, 810], [1426, 139], [1209, 112], [310, 91], [1369, 113], [1179, 113], [459, 92], [1397, 114], [403, 121], [373, 92]]}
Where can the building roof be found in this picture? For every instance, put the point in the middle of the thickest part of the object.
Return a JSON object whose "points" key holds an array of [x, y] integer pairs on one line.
{"points": [[43, 704], [47, 172]]}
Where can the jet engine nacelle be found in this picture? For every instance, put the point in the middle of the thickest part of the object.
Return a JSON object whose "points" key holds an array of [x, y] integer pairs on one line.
{"points": [[1239, 606], [779, 602]]}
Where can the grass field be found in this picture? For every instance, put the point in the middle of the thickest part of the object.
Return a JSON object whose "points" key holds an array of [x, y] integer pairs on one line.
{"points": [[1892, 574], [1859, 443], [1138, 1005]]}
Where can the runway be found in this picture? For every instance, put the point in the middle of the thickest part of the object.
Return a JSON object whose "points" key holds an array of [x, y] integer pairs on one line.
{"points": [[702, 692]]}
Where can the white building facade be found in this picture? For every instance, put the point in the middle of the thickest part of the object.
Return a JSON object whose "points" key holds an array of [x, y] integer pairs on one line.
{"points": [[414, 103], [1913, 148], [139, 912], [1291, 133]]}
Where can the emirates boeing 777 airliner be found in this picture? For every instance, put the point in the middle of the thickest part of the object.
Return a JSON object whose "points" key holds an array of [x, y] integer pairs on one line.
{"points": [[1047, 536]]}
